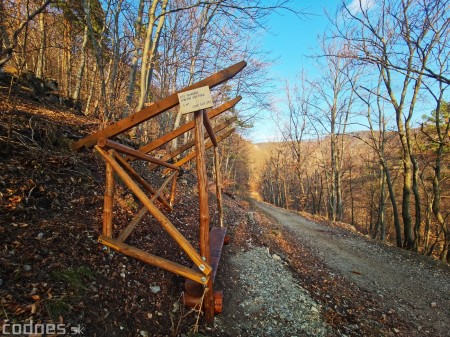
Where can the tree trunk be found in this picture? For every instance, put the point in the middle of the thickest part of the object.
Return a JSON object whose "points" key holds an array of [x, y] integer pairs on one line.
{"points": [[418, 208], [146, 56], [79, 82], [137, 47], [398, 231], [41, 57]]}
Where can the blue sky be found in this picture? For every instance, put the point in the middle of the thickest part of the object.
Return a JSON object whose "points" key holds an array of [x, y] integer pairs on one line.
{"points": [[291, 40]]}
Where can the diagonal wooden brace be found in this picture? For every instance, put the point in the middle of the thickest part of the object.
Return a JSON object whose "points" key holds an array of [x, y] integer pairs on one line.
{"points": [[153, 259], [143, 182], [138, 217]]}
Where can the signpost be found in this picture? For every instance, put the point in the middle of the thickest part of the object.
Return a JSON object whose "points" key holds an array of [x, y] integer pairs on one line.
{"points": [[195, 99]]}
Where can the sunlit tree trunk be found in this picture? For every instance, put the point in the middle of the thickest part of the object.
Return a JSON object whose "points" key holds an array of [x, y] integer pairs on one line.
{"points": [[40, 68], [79, 82], [136, 53]]}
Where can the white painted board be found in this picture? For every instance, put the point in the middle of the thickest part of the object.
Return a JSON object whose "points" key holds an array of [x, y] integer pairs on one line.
{"points": [[195, 99]]}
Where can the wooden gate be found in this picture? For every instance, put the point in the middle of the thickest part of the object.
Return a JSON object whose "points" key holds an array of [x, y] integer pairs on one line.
{"points": [[119, 158]]}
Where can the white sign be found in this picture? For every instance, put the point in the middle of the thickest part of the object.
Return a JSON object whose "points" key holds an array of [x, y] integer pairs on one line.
{"points": [[195, 99]]}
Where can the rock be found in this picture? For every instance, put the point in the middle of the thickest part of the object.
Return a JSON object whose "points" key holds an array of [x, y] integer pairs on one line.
{"points": [[122, 275], [433, 304], [276, 257], [396, 330], [26, 267], [155, 289], [251, 217], [40, 236], [144, 333]]}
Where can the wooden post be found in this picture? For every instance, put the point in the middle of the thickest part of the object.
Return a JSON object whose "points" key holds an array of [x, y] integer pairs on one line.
{"points": [[108, 200], [173, 190], [218, 182], [203, 206]]}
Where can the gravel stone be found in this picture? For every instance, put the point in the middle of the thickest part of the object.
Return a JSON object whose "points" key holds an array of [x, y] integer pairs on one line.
{"points": [[274, 303]]}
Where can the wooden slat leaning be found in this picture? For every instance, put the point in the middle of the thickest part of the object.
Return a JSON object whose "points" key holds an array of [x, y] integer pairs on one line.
{"points": [[156, 108]]}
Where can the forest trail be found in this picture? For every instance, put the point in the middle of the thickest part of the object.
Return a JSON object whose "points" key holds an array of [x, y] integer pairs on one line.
{"points": [[416, 288]]}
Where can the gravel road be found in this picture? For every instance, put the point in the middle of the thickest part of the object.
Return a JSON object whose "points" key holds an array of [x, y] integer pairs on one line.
{"points": [[417, 287]]}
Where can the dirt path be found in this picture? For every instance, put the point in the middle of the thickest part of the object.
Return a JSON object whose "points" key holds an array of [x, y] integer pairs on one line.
{"points": [[416, 288]]}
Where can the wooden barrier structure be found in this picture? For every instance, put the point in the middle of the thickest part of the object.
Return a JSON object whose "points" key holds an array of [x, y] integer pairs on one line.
{"points": [[119, 158]]}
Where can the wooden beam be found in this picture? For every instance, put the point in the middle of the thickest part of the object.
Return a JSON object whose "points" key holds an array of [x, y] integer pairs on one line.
{"points": [[132, 225], [156, 108], [142, 181], [109, 144], [191, 143], [186, 127], [202, 180], [217, 237], [209, 128], [108, 199], [218, 183], [173, 190], [153, 260], [204, 267]]}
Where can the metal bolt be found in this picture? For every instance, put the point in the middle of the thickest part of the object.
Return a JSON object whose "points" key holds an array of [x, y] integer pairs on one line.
{"points": [[203, 279], [203, 258], [201, 267]]}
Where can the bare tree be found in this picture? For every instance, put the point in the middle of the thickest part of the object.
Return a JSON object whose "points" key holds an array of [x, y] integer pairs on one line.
{"points": [[9, 36]]}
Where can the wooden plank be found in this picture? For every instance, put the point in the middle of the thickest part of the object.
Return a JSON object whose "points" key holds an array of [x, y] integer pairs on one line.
{"points": [[209, 128], [191, 143], [173, 190], [162, 219], [186, 127], [109, 144], [218, 183], [153, 260], [132, 225], [216, 239], [156, 108], [142, 181], [202, 180]]}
